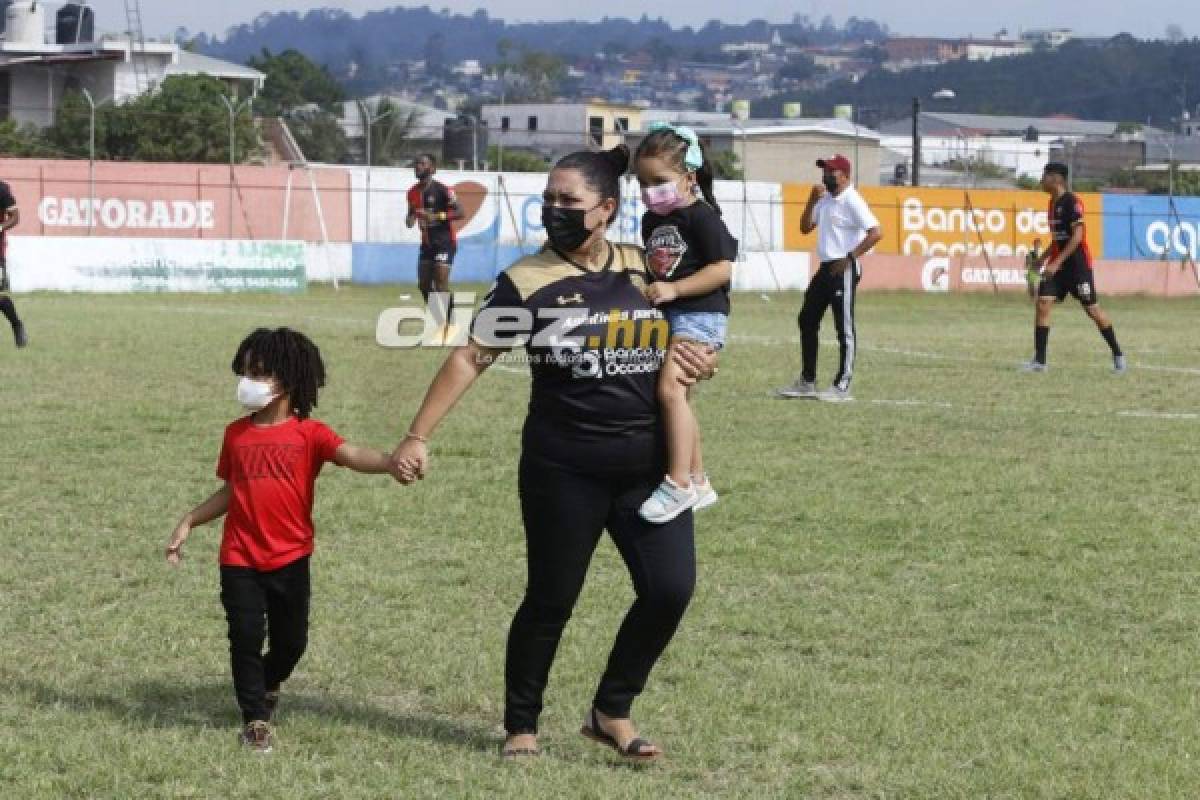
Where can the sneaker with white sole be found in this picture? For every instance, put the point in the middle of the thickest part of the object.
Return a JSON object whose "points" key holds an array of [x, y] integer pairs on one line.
{"points": [[257, 736], [835, 395], [668, 502], [1033, 366], [801, 388], [1119, 365], [706, 495]]}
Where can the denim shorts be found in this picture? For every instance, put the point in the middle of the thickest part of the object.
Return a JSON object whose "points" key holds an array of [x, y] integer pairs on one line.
{"points": [[705, 327]]}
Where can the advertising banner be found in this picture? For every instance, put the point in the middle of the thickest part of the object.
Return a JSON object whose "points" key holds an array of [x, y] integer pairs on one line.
{"points": [[99, 264]]}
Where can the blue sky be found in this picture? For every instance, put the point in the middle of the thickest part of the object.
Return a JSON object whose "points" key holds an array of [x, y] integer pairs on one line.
{"points": [[1145, 18]]}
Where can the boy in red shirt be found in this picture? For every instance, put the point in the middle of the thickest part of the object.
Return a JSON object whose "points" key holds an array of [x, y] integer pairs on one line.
{"points": [[269, 462]]}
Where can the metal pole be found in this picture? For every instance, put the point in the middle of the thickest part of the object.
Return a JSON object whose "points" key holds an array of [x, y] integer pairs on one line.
{"points": [[91, 156], [229, 108], [366, 115], [745, 192], [500, 142], [916, 141], [854, 121]]}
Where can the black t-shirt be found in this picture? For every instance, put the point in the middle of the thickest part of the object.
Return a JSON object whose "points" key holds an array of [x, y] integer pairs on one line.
{"points": [[1065, 214], [684, 242], [595, 345], [440, 199]]}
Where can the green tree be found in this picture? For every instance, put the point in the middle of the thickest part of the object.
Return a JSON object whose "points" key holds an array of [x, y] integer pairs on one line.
{"points": [[319, 135], [308, 98], [184, 119], [24, 141], [294, 81], [392, 133], [725, 165]]}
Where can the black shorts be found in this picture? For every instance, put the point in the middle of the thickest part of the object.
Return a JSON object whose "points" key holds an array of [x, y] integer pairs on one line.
{"points": [[438, 253], [1079, 282]]}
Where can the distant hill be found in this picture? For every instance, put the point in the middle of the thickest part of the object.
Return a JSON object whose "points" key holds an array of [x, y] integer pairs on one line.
{"points": [[336, 38], [1120, 79]]}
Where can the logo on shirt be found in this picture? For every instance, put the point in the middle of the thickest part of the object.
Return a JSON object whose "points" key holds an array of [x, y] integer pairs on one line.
{"points": [[258, 461], [664, 250], [576, 298]]}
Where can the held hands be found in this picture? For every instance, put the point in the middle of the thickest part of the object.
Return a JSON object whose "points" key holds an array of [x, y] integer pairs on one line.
{"points": [[838, 267], [175, 545], [410, 461], [697, 362], [661, 293]]}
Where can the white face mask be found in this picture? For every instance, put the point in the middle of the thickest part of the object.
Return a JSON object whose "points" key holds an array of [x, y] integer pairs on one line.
{"points": [[254, 395]]}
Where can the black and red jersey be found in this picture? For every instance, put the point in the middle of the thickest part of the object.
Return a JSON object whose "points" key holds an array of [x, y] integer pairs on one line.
{"points": [[438, 198], [1065, 213]]}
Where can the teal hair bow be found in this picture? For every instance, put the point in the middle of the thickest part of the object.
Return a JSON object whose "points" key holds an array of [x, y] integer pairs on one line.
{"points": [[693, 159]]}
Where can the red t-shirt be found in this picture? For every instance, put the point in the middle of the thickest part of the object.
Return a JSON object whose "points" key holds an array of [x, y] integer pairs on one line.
{"points": [[271, 473]]}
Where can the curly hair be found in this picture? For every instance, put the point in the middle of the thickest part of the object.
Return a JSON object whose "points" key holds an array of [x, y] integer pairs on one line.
{"points": [[290, 358]]}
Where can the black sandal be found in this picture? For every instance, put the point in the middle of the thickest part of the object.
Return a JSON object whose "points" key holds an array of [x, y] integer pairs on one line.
{"points": [[634, 751]]}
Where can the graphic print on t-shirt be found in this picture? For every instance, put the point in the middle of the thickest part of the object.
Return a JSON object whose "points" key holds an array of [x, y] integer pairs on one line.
{"points": [[260, 461], [665, 250]]}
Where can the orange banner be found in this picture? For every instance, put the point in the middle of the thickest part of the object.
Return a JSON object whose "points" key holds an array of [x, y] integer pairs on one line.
{"points": [[951, 222]]}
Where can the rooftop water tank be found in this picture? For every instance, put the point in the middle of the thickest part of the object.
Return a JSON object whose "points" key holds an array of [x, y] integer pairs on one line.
{"points": [[74, 24]]}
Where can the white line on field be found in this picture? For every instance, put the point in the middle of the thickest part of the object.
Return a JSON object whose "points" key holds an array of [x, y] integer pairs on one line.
{"points": [[1158, 414]]}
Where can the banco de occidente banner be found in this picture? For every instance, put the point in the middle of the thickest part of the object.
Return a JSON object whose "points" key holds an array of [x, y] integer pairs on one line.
{"points": [[951, 222]]}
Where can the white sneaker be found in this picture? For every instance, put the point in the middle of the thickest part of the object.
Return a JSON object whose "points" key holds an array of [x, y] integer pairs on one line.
{"points": [[706, 495], [835, 395], [1033, 366], [668, 502], [1119, 365], [801, 388]]}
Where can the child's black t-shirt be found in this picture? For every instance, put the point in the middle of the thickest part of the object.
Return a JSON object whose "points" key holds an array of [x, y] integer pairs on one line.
{"points": [[684, 242]]}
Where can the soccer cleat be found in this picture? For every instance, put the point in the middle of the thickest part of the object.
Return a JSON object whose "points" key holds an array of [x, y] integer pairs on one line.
{"points": [[801, 388], [835, 395], [1119, 365], [706, 495], [20, 335], [668, 502], [1033, 366], [257, 736]]}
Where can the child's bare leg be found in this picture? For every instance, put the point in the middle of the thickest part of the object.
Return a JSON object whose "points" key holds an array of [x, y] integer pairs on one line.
{"points": [[697, 467], [680, 423]]}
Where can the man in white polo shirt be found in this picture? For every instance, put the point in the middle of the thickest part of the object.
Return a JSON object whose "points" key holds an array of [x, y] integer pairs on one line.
{"points": [[846, 230]]}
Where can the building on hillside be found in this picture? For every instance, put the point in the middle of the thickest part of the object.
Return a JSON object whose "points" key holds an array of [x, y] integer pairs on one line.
{"points": [[555, 129], [1052, 38], [987, 49], [907, 52]]}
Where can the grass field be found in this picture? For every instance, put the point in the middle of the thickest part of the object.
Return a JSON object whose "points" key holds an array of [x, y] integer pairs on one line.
{"points": [[970, 583]]}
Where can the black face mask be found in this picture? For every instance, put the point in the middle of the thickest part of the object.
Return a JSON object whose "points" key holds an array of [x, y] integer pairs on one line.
{"points": [[830, 181], [565, 227]]}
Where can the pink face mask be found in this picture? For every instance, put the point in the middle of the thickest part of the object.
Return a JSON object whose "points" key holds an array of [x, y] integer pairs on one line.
{"points": [[662, 199]]}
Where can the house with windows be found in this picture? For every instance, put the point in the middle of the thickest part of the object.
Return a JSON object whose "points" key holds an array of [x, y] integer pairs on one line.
{"points": [[555, 129]]}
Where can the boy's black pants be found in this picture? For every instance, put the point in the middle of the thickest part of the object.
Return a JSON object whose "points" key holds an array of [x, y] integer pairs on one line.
{"points": [[271, 606]]}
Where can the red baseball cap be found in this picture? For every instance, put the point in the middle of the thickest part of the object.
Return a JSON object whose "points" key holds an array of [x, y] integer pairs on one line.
{"points": [[835, 162]]}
